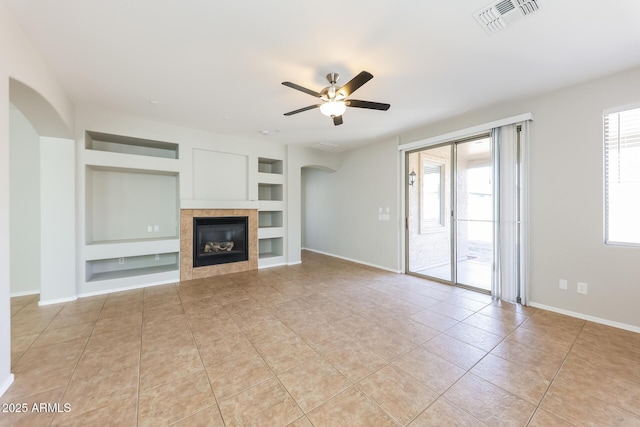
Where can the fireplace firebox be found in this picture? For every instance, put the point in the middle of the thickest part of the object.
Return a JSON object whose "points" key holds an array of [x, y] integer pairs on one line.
{"points": [[220, 240]]}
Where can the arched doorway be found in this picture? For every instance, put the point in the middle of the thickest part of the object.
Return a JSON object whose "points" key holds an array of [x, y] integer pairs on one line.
{"points": [[41, 198]]}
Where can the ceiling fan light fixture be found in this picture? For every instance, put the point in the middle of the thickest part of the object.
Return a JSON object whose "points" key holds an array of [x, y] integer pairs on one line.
{"points": [[333, 108]]}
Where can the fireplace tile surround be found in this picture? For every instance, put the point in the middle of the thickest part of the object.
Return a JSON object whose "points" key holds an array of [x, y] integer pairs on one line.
{"points": [[187, 271]]}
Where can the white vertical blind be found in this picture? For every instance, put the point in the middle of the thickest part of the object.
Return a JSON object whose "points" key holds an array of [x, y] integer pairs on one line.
{"points": [[510, 270], [622, 177]]}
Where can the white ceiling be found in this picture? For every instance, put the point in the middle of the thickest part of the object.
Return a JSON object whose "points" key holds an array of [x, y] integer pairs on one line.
{"points": [[218, 65]]}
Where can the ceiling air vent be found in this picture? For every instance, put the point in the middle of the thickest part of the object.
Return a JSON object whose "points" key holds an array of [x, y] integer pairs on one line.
{"points": [[499, 15], [325, 146]]}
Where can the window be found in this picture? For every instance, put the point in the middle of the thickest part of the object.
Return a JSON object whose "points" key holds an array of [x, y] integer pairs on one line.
{"points": [[432, 192], [622, 177]]}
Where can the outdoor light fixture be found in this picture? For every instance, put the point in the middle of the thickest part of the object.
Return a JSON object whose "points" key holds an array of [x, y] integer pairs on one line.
{"points": [[412, 178]]}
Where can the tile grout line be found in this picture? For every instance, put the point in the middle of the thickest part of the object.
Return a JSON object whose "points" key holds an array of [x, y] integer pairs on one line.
{"points": [[275, 375], [468, 371], [79, 358], [215, 398], [564, 359]]}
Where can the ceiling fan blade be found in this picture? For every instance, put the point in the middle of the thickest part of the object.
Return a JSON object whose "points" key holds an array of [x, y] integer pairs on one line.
{"points": [[355, 83], [302, 89], [337, 120], [300, 110], [367, 104]]}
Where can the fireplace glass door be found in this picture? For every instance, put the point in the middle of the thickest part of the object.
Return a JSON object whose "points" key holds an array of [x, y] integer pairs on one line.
{"points": [[220, 240]]}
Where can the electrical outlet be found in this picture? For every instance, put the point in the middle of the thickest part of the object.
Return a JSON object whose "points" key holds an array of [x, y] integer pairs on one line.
{"points": [[157, 257], [563, 284], [156, 228], [121, 261], [149, 228], [582, 288]]}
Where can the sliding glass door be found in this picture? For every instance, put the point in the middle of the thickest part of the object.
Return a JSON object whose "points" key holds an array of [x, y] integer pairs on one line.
{"points": [[450, 213], [429, 222], [474, 213]]}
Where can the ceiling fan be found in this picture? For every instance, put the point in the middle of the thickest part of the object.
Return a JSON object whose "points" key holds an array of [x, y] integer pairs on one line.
{"points": [[334, 98]]}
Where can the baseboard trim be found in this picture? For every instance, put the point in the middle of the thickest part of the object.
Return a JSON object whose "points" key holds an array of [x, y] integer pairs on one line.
{"points": [[280, 264], [23, 294], [126, 288], [6, 384], [353, 260], [57, 301], [587, 317]]}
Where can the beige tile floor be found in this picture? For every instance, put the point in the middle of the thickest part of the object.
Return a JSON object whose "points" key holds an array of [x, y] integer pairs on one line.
{"points": [[325, 343]]}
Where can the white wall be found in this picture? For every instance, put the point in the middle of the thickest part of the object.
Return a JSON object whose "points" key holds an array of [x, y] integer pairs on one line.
{"points": [[57, 221], [220, 176], [297, 159], [316, 218], [25, 205], [20, 60], [6, 378], [343, 208]]}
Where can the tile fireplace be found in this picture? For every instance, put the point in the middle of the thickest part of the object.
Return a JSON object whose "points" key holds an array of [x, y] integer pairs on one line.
{"points": [[217, 241]]}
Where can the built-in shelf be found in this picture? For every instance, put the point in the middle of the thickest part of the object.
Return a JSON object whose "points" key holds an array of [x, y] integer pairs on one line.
{"points": [[270, 192], [270, 219], [270, 247], [131, 189], [122, 267], [272, 166], [219, 204], [127, 145], [270, 178], [128, 248], [271, 213], [270, 232], [119, 161], [127, 241]]}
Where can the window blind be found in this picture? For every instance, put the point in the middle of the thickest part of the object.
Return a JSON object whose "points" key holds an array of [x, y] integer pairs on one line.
{"points": [[622, 177], [432, 201]]}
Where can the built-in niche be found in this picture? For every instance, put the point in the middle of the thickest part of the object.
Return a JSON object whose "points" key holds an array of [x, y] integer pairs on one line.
{"points": [[130, 205]]}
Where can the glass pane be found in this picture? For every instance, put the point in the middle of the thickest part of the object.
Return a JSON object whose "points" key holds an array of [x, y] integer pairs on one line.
{"points": [[474, 213], [622, 192], [429, 202]]}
